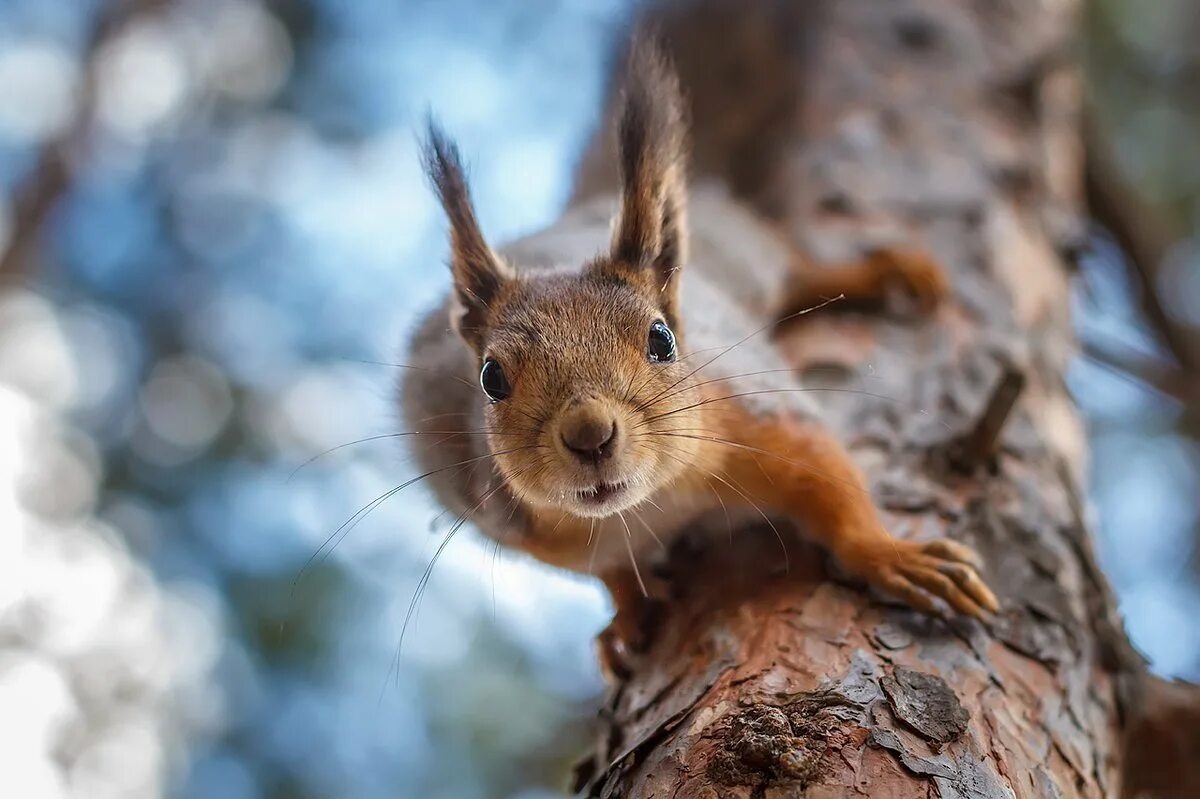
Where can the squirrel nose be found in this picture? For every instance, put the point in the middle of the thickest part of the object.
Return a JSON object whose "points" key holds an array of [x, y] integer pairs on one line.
{"points": [[589, 433]]}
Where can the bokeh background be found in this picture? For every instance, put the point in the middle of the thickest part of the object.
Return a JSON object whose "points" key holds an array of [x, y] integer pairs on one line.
{"points": [[215, 235]]}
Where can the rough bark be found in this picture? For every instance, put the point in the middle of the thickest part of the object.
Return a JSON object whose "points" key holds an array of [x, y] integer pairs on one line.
{"points": [[955, 121]]}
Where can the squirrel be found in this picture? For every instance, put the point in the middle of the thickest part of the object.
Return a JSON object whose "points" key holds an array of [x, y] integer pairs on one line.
{"points": [[577, 414]]}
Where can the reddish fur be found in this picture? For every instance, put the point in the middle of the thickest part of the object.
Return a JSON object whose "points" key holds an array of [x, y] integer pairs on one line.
{"points": [[869, 279]]}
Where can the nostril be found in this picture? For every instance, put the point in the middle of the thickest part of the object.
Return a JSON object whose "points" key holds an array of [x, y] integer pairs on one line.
{"points": [[591, 440], [606, 445]]}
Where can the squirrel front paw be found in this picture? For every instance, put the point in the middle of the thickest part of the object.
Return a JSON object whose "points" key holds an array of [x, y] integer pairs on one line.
{"points": [[614, 654], [917, 572], [627, 636], [916, 272]]}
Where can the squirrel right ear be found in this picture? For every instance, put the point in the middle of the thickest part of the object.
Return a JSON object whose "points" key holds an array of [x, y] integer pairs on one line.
{"points": [[651, 230], [478, 272]]}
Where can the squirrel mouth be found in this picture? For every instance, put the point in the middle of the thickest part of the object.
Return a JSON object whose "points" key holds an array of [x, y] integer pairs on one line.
{"points": [[599, 493]]}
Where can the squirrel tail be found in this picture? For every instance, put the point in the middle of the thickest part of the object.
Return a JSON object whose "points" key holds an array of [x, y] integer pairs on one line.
{"points": [[740, 65]]}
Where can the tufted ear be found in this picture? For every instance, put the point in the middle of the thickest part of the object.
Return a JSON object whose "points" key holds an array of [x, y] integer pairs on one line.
{"points": [[479, 274], [650, 233]]}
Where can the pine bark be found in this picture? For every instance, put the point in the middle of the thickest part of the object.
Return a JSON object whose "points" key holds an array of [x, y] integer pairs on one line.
{"points": [[956, 123]]}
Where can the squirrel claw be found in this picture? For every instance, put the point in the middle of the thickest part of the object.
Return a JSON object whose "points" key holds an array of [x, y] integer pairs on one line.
{"points": [[628, 636], [615, 657], [919, 572]]}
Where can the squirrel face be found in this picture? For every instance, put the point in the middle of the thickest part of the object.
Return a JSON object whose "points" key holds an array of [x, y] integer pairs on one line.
{"points": [[580, 369]]}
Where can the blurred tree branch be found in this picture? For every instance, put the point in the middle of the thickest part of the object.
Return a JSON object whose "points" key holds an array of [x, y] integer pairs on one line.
{"points": [[1163, 376], [1144, 231], [50, 179]]}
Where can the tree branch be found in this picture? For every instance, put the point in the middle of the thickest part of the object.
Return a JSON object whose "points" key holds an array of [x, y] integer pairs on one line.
{"points": [[1144, 233], [50, 179]]}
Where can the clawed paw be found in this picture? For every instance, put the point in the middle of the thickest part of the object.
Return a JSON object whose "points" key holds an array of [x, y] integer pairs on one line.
{"points": [[614, 654], [629, 635], [917, 272], [920, 572]]}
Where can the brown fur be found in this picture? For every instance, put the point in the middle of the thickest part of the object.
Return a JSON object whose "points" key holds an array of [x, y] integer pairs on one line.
{"points": [[569, 329], [651, 228], [479, 274]]}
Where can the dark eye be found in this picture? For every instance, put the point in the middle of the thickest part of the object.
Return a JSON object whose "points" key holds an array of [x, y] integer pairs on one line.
{"points": [[661, 346], [494, 383]]}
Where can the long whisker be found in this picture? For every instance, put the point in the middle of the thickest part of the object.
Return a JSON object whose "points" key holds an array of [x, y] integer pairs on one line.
{"points": [[692, 354], [740, 342], [729, 378], [724, 508], [466, 480], [448, 433], [649, 529], [495, 557], [428, 573], [703, 430], [592, 556], [512, 508], [729, 481], [833, 481], [629, 393], [690, 387], [792, 390], [365, 510], [442, 372], [537, 422], [562, 518], [331, 450], [513, 502], [629, 548], [447, 415], [787, 564], [654, 504]]}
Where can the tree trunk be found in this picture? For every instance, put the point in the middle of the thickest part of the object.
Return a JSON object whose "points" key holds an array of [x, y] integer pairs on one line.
{"points": [[955, 122]]}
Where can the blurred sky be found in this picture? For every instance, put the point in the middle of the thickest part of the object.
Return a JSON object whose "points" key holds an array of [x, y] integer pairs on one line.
{"points": [[243, 244]]}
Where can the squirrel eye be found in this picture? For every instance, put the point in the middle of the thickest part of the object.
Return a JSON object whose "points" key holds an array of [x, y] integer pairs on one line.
{"points": [[494, 383], [661, 345]]}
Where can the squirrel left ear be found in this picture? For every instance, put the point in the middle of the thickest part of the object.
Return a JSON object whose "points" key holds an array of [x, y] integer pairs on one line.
{"points": [[650, 232], [479, 273]]}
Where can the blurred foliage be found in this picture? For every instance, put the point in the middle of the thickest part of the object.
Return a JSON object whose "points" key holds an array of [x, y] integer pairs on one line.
{"points": [[215, 298]]}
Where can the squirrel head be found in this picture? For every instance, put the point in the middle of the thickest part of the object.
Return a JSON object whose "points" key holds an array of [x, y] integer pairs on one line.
{"points": [[589, 405]]}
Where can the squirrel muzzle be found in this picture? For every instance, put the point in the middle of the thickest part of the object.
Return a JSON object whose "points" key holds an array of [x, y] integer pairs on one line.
{"points": [[589, 431]]}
